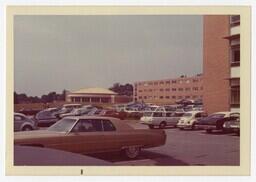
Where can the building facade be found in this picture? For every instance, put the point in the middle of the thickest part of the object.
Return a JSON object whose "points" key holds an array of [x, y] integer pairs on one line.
{"points": [[221, 63], [168, 91], [96, 96]]}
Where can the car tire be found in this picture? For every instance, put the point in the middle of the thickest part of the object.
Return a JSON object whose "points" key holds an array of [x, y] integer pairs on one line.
{"points": [[151, 126], [132, 152], [208, 131], [27, 128], [193, 127], [162, 125], [181, 128]]}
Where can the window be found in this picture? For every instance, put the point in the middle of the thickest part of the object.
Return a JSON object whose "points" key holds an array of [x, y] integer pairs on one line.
{"points": [[140, 90], [145, 97], [108, 126], [105, 100], [195, 80], [77, 99], [180, 97], [174, 81], [161, 97], [157, 114], [95, 99], [161, 89], [167, 82], [235, 55], [174, 97], [187, 89], [140, 97], [86, 125], [155, 83], [187, 81], [167, 89], [235, 92], [161, 83], [167, 97], [187, 97], [150, 90], [18, 118], [234, 20], [173, 89], [85, 99], [195, 88], [180, 89]]}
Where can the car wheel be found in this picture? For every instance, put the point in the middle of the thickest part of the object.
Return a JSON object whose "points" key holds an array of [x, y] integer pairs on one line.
{"points": [[27, 128], [193, 127], [132, 152], [208, 130], [181, 128], [162, 125], [151, 126]]}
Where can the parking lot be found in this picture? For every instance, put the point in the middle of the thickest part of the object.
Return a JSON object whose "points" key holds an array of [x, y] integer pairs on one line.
{"points": [[184, 148]]}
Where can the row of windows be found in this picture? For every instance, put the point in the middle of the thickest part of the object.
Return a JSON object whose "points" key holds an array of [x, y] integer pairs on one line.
{"points": [[172, 89], [90, 99], [170, 97], [167, 82]]}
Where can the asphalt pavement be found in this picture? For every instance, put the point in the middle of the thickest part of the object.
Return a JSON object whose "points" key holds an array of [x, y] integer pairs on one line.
{"points": [[184, 148]]}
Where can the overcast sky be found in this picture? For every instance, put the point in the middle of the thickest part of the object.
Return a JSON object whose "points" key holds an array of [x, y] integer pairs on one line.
{"points": [[53, 53]]}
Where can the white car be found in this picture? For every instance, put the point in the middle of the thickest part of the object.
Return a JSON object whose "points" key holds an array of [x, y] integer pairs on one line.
{"points": [[160, 119], [187, 121]]}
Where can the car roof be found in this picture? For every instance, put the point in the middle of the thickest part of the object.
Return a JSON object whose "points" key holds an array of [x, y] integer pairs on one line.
{"points": [[119, 124], [226, 112], [20, 114], [194, 112]]}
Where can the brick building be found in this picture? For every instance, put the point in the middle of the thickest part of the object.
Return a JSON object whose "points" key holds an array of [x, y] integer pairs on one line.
{"points": [[168, 91], [221, 63]]}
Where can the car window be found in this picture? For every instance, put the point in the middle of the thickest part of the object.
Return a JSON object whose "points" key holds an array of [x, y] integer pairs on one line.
{"points": [[45, 115], [18, 118], [178, 114], [108, 125], [63, 125], [158, 114], [198, 115], [88, 125], [169, 114]]}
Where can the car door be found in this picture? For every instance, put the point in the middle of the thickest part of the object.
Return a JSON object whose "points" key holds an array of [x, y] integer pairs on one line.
{"points": [[18, 121], [87, 136]]}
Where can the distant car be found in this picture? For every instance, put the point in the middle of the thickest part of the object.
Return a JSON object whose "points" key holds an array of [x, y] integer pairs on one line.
{"points": [[188, 120], [111, 113], [46, 118], [91, 134], [23, 123], [78, 112], [216, 121], [160, 119], [66, 108], [232, 126]]}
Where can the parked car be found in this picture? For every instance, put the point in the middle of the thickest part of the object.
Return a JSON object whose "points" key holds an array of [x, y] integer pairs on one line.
{"points": [[187, 121], [66, 108], [112, 113], [232, 126], [23, 123], [93, 134], [160, 119], [46, 118], [78, 112], [216, 120]]}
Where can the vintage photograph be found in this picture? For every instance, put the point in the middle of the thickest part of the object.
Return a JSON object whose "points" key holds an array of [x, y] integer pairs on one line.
{"points": [[126, 90]]}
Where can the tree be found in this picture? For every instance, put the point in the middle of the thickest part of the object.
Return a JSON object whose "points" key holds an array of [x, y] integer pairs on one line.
{"points": [[126, 89]]}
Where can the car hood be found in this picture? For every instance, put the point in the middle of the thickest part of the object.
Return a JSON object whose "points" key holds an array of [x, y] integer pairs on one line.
{"points": [[26, 135]]}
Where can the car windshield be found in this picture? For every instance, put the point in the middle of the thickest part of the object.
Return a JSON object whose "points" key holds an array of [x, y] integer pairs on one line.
{"points": [[187, 115], [216, 116], [62, 125], [148, 114]]}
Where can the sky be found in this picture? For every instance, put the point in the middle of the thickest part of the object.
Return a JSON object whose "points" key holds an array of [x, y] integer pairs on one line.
{"points": [[53, 53]]}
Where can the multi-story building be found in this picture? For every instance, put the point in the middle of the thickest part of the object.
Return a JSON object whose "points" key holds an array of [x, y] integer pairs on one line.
{"points": [[221, 63], [168, 91]]}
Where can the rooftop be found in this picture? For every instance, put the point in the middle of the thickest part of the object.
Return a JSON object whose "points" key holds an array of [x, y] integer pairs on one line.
{"points": [[95, 91]]}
